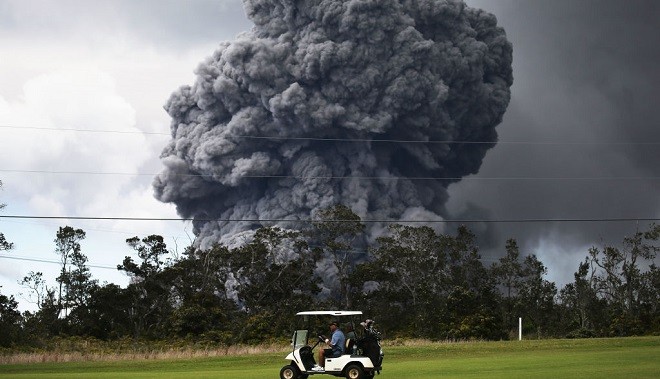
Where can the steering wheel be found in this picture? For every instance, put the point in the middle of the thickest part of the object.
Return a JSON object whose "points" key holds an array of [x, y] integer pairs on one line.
{"points": [[318, 341]]}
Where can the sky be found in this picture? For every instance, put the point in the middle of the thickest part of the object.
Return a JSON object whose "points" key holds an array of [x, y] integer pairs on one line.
{"points": [[580, 138]]}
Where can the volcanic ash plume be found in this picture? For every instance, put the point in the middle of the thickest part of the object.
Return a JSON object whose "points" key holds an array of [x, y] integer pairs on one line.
{"points": [[285, 120]]}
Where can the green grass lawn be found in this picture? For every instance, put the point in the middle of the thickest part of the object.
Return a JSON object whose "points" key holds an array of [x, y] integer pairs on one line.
{"points": [[588, 358], [593, 358]]}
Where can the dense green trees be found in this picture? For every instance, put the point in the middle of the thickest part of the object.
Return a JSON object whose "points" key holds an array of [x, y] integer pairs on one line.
{"points": [[273, 274], [10, 321], [616, 290], [10, 317], [414, 281], [423, 284], [404, 283], [200, 289]]}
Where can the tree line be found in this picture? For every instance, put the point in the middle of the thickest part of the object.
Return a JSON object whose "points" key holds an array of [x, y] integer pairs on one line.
{"points": [[414, 281]]}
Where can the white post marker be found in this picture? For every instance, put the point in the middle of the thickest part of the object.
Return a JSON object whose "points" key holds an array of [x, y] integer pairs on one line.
{"points": [[519, 328]]}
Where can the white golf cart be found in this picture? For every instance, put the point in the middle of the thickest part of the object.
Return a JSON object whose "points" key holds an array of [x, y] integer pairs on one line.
{"points": [[362, 357]]}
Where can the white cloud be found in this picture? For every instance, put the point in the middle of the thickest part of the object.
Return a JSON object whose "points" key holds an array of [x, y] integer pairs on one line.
{"points": [[102, 65], [84, 98]]}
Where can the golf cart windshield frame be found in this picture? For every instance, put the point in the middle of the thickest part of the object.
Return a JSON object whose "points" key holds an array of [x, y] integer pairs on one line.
{"points": [[302, 335]]}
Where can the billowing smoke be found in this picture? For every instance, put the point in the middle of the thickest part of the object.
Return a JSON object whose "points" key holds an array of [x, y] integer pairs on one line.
{"points": [[290, 117]]}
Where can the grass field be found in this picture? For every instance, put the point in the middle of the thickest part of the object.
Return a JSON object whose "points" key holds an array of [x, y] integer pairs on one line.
{"points": [[588, 358]]}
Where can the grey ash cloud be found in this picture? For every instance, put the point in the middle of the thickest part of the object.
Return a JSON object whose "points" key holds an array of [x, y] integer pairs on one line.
{"points": [[329, 69], [586, 84]]}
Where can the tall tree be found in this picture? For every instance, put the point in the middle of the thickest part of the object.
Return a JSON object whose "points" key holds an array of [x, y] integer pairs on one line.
{"points": [[68, 247], [584, 310], [508, 272], [337, 228], [150, 289], [79, 281], [536, 299], [35, 282], [46, 321]]}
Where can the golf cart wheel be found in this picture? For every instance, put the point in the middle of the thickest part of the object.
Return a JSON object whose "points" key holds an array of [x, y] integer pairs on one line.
{"points": [[354, 371], [289, 372]]}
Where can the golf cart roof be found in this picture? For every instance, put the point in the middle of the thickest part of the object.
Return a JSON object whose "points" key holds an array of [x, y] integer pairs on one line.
{"points": [[329, 313]]}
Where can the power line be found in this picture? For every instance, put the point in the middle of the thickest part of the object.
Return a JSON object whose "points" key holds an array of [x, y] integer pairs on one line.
{"points": [[461, 142], [51, 261], [357, 252], [82, 130], [85, 173], [333, 177], [87, 229], [361, 140], [383, 221]]}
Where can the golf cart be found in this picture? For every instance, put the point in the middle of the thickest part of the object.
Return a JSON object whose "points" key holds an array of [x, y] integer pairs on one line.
{"points": [[362, 357]]}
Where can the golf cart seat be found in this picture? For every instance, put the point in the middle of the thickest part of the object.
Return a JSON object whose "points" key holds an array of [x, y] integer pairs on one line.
{"points": [[348, 347]]}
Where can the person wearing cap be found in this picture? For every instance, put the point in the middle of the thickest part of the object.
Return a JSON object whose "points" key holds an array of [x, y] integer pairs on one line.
{"points": [[336, 344]]}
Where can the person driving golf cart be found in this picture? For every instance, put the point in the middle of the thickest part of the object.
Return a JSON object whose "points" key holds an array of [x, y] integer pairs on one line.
{"points": [[336, 343]]}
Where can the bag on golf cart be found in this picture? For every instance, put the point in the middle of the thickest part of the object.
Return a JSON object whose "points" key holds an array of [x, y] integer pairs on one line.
{"points": [[370, 343]]}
